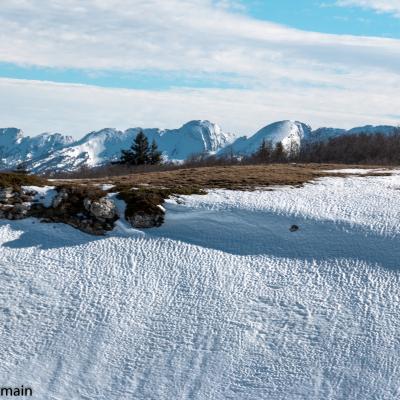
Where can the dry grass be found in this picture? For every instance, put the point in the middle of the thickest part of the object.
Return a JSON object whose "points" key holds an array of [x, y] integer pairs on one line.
{"points": [[16, 180], [191, 180], [152, 188]]}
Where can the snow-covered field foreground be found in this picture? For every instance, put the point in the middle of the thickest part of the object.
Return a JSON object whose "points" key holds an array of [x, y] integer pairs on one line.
{"points": [[222, 302]]}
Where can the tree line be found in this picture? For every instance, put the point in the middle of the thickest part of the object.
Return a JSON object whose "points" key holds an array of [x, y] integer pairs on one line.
{"points": [[362, 148]]}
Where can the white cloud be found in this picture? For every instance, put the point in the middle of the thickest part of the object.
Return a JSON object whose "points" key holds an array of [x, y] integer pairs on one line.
{"points": [[77, 109], [177, 35], [384, 6], [324, 79]]}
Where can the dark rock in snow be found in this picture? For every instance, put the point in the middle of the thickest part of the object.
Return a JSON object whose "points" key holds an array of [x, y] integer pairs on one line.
{"points": [[146, 220]]}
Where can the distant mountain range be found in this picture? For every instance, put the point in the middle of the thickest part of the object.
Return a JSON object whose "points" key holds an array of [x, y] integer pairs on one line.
{"points": [[55, 152]]}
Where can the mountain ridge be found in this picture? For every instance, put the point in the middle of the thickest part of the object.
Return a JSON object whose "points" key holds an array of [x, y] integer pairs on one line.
{"points": [[56, 152]]}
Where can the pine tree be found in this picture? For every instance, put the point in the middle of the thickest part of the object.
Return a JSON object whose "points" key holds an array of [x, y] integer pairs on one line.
{"points": [[155, 155], [141, 149], [263, 153], [278, 155], [139, 153], [127, 157]]}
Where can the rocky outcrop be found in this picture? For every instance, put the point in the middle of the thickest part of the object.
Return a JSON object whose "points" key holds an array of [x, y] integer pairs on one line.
{"points": [[6, 194], [14, 203], [60, 198], [81, 208], [102, 209], [146, 220], [86, 208], [143, 208]]}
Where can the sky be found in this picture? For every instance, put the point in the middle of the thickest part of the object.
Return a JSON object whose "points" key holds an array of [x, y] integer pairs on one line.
{"points": [[74, 66]]}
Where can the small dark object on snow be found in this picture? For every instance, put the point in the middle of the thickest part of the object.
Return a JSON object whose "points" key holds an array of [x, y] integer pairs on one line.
{"points": [[294, 228]]}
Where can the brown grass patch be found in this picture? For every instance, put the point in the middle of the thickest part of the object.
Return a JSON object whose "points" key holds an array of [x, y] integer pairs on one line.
{"points": [[245, 177], [16, 180]]}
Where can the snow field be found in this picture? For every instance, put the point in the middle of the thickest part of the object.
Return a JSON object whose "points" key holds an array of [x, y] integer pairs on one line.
{"points": [[222, 302]]}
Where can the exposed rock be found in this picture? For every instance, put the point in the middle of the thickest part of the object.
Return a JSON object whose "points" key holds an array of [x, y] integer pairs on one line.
{"points": [[26, 198], [87, 203], [61, 197], [294, 228], [82, 207], [144, 220], [6, 194], [103, 208], [79, 207], [6, 207], [19, 211], [29, 192], [144, 207]]}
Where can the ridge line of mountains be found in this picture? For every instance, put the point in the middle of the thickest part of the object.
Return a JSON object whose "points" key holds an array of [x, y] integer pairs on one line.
{"points": [[58, 153]]}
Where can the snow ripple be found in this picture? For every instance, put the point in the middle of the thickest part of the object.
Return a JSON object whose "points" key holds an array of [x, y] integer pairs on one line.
{"points": [[203, 309]]}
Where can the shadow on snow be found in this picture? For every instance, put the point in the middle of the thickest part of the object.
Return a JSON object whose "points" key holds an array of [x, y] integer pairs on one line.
{"points": [[245, 232], [238, 232]]}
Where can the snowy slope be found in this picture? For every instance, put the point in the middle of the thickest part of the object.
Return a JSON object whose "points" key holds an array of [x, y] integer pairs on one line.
{"points": [[290, 133], [222, 302], [193, 138], [15, 148]]}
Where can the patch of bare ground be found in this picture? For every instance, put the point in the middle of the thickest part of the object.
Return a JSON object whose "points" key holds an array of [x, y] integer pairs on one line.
{"points": [[143, 192], [234, 177], [82, 203]]}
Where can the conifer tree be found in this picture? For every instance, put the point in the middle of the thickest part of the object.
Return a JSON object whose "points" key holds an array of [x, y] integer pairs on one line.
{"points": [[278, 155], [139, 153], [155, 154], [264, 151]]}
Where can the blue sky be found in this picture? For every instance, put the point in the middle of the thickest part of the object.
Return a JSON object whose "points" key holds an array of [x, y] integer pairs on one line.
{"points": [[79, 65], [326, 16]]}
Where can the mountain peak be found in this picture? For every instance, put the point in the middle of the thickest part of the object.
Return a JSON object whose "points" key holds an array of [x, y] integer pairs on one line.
{"points": [[289, 133], [10, 135], [56, 152]]}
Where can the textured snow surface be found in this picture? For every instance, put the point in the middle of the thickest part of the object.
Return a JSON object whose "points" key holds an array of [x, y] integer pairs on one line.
{"points": [[222, 302]]}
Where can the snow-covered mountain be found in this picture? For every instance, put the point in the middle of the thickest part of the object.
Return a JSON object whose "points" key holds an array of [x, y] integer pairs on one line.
{"points": [[328, 133], [16, 149], [55, 152], [290, 133], [293, 134]]}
